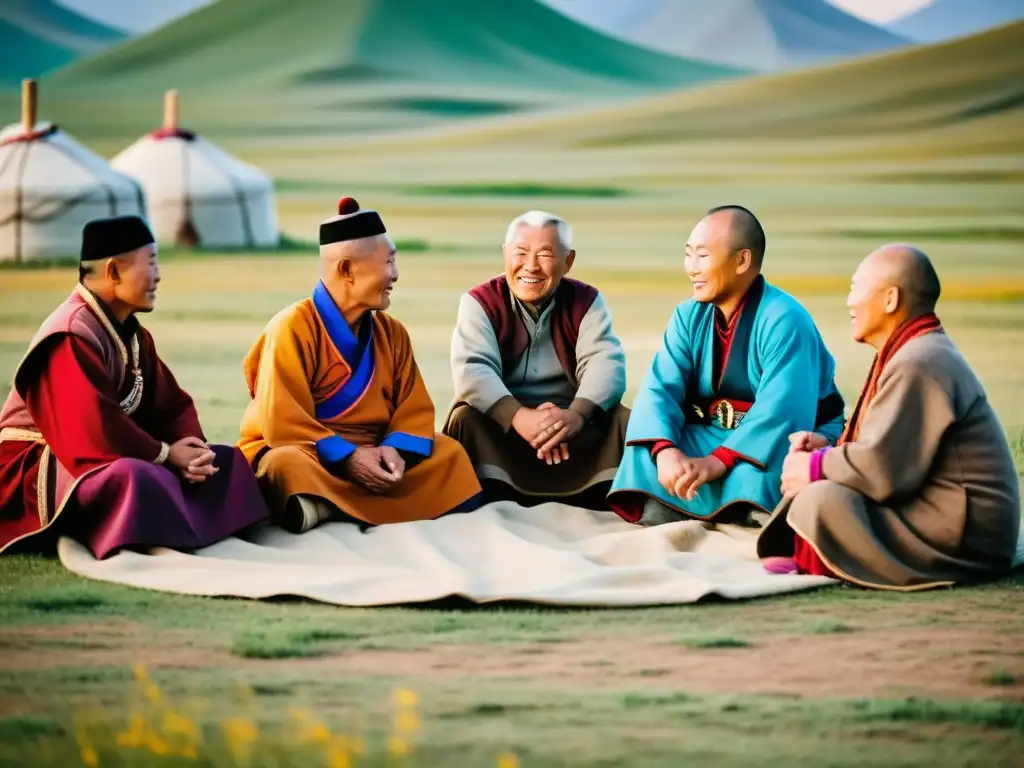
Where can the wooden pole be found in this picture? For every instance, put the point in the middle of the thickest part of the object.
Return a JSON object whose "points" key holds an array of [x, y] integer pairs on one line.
{"points": [[171, 110], [28, 105]]}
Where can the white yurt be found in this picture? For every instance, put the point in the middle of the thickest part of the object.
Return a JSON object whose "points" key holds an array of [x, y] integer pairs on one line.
{"points": [[199, 195], [50, 186]]}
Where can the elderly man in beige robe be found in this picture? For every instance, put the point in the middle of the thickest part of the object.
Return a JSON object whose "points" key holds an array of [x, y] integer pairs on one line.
{"points": [[921, 490]]}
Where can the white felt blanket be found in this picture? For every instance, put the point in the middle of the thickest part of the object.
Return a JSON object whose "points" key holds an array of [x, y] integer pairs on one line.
{"points": [[552, 554]]}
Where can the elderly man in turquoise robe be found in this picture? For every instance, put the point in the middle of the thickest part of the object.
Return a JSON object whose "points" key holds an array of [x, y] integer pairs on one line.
{"points": [[741, 368]]}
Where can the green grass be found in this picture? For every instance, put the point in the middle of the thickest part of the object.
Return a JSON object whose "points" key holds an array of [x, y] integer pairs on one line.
{"points": [[520, 189], [701, 643], [264, 646], [215, 659], [1001, 677], [988, 714], [828, 628]]}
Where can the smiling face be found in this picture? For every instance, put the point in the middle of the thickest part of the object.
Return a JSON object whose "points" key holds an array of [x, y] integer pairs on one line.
{"points": [[716, 270], [374, 273], [535, 262], [873, 303], [135, 276]]}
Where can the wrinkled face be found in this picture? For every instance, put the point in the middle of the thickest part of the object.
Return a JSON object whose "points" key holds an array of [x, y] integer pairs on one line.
{"points": [[711, 264], [535, 263], [137, 275], [374, 274], [870, 302]]}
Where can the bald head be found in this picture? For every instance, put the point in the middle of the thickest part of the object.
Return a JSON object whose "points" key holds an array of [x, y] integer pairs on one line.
{"points": [[894, 284], [910, 270], [745, 231]]}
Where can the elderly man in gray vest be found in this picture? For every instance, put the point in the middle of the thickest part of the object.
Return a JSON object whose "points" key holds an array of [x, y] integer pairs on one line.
{"points": [[539, 375]]}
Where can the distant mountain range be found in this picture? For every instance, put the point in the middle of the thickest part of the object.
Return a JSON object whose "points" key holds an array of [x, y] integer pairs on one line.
{"points": [[276, 68], [269, 46], [763, 35], [39, 36], [943, 19]]}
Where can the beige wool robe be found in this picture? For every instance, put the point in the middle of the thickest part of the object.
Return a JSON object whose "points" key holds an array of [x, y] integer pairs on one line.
{"points": [[927, 495]]}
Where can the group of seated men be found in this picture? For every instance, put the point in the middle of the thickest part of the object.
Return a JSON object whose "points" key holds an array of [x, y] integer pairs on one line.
{"points": [[737, 420]]}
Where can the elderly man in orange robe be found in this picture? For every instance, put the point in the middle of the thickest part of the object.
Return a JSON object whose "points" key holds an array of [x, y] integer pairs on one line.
{"points": [[341, 425]]}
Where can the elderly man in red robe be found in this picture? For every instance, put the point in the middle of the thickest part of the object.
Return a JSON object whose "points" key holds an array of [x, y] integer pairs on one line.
{"points": [[97, 440]]}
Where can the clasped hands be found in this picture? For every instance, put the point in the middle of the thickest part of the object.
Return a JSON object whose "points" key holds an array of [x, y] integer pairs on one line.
{"points": [[378, 469], [548, 429], [683, 476], [796, 469], [193, 459]]}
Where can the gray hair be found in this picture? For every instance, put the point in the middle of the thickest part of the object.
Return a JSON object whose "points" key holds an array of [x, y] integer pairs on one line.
{"points": [[539, 220]]}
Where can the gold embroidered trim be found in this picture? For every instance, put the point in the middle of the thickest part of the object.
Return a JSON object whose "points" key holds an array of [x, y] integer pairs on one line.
{"points": [[165, 451], [19, 434], [131, 403], [43, 487]]}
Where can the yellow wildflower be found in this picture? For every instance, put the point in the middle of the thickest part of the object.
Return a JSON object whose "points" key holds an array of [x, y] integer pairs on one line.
{"points": [[508, 760], [89, 756], [177, 723], [155, 744], [405, 698], [151, 691], [319, 732], [139, 673], [240, 733], [337, 753], [133, 737], [240, 729], [398, 746], [407, 722]]}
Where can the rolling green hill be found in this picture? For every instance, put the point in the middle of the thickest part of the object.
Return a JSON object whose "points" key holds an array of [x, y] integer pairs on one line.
{"points": [[38, 36], [257, 68], [940, 89]]}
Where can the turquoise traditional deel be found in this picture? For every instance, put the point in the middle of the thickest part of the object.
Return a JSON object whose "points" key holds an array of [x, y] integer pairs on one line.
{"points": [[790, 372]]}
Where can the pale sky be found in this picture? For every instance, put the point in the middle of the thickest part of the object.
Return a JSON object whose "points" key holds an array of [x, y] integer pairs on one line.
{"points": [[141, 15], [880, 10]]}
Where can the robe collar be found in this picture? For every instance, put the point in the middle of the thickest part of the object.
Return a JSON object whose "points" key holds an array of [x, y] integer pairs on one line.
{"points": [[125, 330], [733, 377], [349, 346], [535, 312]]}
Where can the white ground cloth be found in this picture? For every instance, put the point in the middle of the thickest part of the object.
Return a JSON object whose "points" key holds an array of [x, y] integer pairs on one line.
{"points": [[552, 554]]}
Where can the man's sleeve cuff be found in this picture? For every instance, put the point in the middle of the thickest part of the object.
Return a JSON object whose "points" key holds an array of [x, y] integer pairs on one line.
{"points": [[333, 449], [727, 456], [165, 451], [504, 411], [583, 407], [402, 441], [658, 446]]}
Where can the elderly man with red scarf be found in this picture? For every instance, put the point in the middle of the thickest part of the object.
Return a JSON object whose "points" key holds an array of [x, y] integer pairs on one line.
{"points": [[921, 490]]}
